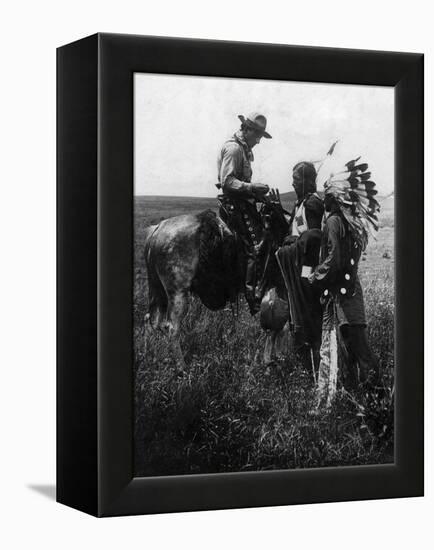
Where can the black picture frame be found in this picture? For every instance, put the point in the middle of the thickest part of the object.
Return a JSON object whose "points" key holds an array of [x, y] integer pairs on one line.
{"points": [[95, 274]]}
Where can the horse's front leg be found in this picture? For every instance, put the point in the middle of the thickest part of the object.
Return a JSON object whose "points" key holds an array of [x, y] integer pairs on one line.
{"points": [[274, 345], [269, 350], [280, 342]]}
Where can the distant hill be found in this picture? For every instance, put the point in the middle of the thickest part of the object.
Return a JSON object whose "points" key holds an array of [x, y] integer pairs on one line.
{"points": [[152, 209], [288, 197], [156, 207]]}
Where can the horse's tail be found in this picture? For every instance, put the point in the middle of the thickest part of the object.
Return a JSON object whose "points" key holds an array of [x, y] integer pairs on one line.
{"points": [[147, 234], [148, 259]]}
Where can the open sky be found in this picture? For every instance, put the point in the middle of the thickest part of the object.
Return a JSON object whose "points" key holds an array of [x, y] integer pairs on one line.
{"points": [[181, 123]]}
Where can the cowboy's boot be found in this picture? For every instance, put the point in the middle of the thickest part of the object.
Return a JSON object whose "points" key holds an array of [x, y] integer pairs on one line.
{"points": [[263, 253]]}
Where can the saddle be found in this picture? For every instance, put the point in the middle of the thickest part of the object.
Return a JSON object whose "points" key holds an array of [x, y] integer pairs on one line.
{"points": [[254, 245]]}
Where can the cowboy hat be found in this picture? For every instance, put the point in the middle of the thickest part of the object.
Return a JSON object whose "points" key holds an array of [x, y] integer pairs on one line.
{"points": [[257, 121]]}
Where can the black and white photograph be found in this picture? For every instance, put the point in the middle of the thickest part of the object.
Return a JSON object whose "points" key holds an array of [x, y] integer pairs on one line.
{"points": [[264, 275], [216, 302]]}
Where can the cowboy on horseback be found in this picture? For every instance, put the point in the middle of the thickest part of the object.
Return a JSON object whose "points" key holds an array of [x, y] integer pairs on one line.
{"points": [[238, 204]]}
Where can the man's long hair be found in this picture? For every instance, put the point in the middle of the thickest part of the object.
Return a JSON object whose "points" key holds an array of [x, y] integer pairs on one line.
{"points": [[308, 174]]}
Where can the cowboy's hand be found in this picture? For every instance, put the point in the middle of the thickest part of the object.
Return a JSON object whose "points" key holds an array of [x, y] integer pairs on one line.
{"points": [[274, 196], [260, 189], [311, 278]]}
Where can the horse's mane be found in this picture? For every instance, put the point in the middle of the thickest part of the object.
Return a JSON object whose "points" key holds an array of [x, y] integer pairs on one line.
{"points": [[217, 278], [221, 270]]}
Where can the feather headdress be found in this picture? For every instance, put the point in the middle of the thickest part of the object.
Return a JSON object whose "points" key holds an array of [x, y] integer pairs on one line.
{"points": [[354, 192]]}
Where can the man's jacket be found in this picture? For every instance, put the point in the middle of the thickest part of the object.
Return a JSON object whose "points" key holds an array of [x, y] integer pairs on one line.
{"points": [[234, 167], [336, 274]]}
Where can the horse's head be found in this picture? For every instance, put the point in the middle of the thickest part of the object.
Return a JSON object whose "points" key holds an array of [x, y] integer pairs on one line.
{"points": [[274, 218], [276, 227]]}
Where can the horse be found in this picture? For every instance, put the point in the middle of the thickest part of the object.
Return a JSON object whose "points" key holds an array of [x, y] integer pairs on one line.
{"points": [[200, 254]]}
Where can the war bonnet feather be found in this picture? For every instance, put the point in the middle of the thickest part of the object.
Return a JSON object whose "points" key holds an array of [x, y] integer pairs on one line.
{"points": [[354, 192]]}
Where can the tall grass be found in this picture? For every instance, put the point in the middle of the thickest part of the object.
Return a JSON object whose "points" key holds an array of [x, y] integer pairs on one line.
{"points": [[227, 411]]}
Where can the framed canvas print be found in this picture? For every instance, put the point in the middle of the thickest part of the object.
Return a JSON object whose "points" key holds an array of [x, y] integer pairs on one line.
{"points": [[240, 267]]}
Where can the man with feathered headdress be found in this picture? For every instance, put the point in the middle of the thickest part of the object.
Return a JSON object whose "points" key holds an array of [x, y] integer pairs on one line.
{"points": [[351, 214]]}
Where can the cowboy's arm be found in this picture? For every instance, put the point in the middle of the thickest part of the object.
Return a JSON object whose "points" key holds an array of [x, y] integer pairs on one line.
{"points": [[231, 165], [326, 271]]}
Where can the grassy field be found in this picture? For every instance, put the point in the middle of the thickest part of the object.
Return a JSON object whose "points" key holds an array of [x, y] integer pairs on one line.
{"points": [[228, 411]]}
